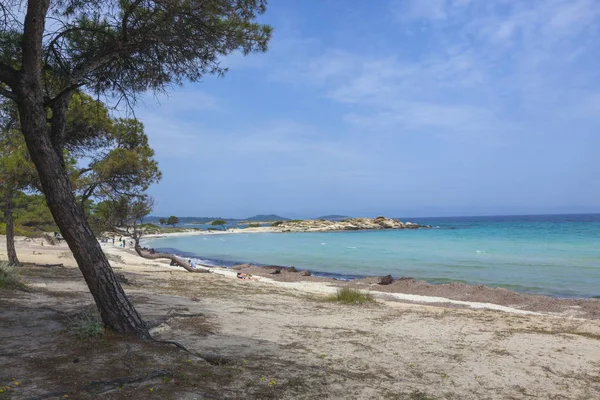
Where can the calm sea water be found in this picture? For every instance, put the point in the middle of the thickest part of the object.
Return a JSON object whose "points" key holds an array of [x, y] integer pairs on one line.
{"points": [[557, 255]]}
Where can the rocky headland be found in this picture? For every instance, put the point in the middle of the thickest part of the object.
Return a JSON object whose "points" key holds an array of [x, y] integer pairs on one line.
{"points": [[350, 224]]}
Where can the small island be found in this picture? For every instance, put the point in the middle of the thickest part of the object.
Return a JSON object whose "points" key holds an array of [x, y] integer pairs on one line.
{"points": [[349, 224]]}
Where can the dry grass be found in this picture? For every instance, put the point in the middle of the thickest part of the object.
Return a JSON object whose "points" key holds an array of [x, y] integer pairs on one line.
{"points": [[85, 325], [10, 277], [350, 296]]}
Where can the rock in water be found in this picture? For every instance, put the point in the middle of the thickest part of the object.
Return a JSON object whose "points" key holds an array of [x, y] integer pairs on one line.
{"points": [[386, 280]]}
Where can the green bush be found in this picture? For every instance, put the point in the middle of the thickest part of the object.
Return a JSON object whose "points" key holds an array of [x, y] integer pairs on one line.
{"points": [[277, 223], [86, 325], [254, 225], [351, 296], [9, 277]]}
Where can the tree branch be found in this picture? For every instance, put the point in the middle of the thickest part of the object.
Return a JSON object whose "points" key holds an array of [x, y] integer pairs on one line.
{"points": [[33, 33], [87, 194], [126, 16], [9, 94], [59, 121], [9, 76]]}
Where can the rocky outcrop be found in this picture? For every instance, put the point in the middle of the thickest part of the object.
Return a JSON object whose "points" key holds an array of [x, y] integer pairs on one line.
{"points": [[350, 224]]}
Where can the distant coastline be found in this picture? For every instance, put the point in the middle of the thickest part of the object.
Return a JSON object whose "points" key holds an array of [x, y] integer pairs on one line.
{"points": [[316, 225]]}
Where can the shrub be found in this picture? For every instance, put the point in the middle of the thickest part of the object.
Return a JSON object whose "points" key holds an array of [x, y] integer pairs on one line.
{"points": [[254, 225], [277, 223], [9, 277], [351, 296], [86, 325]]}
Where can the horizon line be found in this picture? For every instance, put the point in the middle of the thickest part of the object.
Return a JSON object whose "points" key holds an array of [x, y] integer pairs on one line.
{"points": [[435, 216]]}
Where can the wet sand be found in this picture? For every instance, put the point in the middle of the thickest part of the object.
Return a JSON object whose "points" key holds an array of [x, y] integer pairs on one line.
{"points": [[459, 292]]}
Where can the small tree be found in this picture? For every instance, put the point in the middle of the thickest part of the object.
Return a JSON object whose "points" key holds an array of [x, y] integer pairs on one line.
{"points": [[125, 217], [114, 156], [16, 171], [219, 222], [172, 220], [162, 221]]}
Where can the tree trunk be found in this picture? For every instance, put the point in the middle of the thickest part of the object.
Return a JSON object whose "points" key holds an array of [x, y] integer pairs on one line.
{"points": [[118, 313], [44, 145], [10, 229]]}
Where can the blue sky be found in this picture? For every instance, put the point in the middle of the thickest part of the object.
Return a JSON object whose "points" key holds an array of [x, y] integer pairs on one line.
{"points": [[400, 107]]}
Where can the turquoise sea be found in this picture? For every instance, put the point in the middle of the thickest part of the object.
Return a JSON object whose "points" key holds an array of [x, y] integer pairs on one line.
{"points": [[557, 255]]}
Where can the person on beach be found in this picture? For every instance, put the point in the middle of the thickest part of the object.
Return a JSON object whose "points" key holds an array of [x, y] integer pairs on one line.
{"points": [[246, 276]]}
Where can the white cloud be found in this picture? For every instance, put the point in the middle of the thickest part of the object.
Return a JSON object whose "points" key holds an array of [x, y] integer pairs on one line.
{"points": [[483, 62]]}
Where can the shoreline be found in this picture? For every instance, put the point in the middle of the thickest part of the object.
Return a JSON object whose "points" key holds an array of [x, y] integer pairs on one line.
{"points": [[340, 277], [447, 295], [452, 294]]}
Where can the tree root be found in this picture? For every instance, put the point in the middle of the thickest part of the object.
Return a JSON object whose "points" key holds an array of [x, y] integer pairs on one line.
{"points": [[49, 265], [99, 387], [161, 320], [176, 344]]}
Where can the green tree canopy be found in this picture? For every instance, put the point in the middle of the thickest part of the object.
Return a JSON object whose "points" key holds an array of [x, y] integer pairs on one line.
{"points": [[123, 165], [172, 220], [219, 222]]}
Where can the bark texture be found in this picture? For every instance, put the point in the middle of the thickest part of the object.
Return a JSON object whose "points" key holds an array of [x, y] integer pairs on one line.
{"points": [[10, 230]]}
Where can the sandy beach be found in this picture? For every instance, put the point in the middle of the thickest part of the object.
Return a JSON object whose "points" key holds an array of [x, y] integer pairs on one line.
{"points": [[277, 338]]}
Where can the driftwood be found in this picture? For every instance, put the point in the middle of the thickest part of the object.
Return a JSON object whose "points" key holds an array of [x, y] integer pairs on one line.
{"points": [[49, 265], [176, 260]]}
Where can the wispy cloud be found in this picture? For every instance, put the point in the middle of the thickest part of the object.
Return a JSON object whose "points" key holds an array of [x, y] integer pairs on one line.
{"points": [[391, 101], [483, 62]]}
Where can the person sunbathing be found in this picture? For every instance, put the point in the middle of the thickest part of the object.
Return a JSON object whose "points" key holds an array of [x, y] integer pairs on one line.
{"points": [[247, 276]]}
